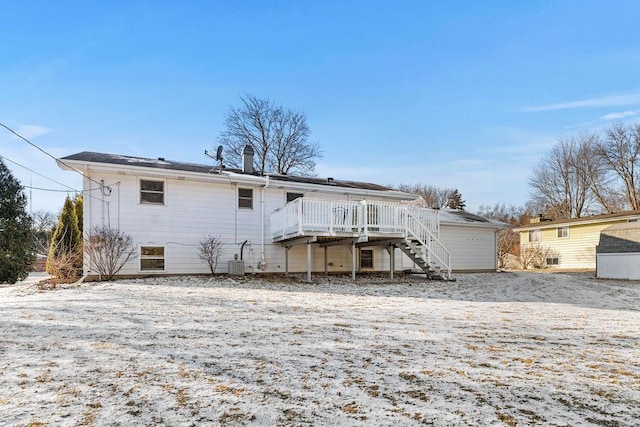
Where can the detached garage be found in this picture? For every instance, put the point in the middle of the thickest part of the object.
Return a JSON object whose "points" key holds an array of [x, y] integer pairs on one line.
{"points": [[618, 253], [471, 239]]}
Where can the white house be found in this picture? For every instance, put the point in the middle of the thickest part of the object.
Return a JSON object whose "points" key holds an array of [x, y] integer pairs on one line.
{"points": [[272, 223]]}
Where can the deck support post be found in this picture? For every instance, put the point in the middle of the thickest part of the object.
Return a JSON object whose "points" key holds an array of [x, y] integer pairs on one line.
{"points": [[326, 266], [392, 260], [286, 260], [308, 261], [353, 261]]}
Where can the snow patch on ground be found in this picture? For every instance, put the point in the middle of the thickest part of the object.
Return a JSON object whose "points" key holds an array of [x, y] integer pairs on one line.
{"points": [[505, 348]]}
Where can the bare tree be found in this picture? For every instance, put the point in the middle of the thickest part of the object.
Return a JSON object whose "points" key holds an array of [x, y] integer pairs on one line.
{"points": [[620, 152], [593, 170], [279, 137], [108, 250], [536, 256], [43, 224], [209, 251], [430, 196], [559, 182], [508, 240]]}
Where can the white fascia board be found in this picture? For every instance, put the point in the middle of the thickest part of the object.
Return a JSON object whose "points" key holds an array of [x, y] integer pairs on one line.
{"points": [[360, 192], [117, 169], [227, 177]]}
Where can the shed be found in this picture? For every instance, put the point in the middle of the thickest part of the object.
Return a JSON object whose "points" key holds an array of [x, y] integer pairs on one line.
{"points": [[618, 252]]}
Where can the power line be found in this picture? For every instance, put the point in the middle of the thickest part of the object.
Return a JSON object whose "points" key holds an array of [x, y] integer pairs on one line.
{"points": [[85, 192], [50, 155], [49, 189], [39, 174]]}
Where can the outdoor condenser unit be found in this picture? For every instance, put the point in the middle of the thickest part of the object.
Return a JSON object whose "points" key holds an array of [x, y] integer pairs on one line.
{"points": [[236, 268]]}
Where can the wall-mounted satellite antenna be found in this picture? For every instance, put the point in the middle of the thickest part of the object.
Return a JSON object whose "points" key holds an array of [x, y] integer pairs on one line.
{"points": [[217, 157]]}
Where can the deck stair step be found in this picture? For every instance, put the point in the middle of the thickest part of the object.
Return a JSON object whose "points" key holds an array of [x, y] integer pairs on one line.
{"points": [[416, 253]]}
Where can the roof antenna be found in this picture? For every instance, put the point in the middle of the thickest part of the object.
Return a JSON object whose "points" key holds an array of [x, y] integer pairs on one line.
{"points": [[217, 157]]}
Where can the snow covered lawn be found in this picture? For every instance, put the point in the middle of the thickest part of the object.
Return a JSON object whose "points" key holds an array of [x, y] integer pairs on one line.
{"points": [[504, 348]]}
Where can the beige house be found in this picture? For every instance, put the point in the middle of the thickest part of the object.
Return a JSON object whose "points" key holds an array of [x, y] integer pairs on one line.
{"points": [[572, 242]]}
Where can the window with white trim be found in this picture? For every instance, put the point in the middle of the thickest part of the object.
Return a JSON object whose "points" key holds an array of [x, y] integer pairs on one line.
{"points": [[366, 258], [151, 258], [292, 196], [152, 192], [245, 198], [534, 236], [563, 232], [551, 261]]}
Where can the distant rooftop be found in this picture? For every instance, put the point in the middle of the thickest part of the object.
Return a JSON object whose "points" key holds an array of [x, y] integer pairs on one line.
{"points": [[583, 220]]}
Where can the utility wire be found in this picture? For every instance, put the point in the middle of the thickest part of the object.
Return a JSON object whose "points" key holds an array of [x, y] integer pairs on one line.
{"points": [[39, 174], [57, 182], [49, 189], [45, 152]]}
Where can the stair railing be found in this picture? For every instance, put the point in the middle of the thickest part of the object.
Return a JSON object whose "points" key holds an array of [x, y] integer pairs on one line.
{"points": [[435, 249]]}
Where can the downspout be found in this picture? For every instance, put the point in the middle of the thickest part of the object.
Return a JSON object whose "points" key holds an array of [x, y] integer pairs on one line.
{"points": [[89, 204], [263, 262], [495, 247]]}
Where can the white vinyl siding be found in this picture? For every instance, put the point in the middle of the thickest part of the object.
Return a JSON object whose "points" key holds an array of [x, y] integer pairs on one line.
{"points": [[472, 248], [193, 209]]}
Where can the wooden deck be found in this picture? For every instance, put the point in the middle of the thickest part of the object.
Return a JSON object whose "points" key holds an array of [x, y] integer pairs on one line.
{"points": [[364, 223]]}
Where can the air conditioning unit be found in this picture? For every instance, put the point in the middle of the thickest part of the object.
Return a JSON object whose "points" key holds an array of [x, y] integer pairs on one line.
{"points": [[236, 268]]}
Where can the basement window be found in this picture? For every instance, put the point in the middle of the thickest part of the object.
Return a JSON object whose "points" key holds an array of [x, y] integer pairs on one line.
{"points": [[152, 192], [552, 261], [245, 198], [366, 258], [151, 258]]}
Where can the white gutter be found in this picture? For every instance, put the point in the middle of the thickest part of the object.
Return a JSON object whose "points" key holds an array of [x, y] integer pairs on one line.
{"points": [[118, 169], [226, 176]]}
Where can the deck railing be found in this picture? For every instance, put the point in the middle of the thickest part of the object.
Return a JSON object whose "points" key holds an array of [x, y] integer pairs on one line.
{"points": [[305, 215], [434, 250]]}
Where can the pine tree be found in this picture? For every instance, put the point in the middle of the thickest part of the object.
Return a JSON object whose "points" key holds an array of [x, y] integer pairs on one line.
{"points": [[16, 256], [65, 251], [455, 200], [79, 206]]}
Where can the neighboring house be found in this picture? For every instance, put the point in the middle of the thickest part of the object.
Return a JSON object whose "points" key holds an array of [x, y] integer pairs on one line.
{"points": [[273, 223], [572, 242], [618, 253]]}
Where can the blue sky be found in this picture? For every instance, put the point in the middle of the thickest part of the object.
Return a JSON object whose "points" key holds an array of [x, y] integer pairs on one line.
{"points": [[461, 94]]}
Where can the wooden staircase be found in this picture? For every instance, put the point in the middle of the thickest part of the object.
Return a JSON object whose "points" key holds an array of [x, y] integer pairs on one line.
{"points": [[422, 246], [415, 251]]}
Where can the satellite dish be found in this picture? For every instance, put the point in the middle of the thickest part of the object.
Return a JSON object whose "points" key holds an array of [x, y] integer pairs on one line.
{"points": [[218, 158]]}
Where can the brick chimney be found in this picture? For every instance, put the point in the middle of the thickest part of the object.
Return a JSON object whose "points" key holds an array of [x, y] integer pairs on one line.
{"points": [[247, 159]]}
